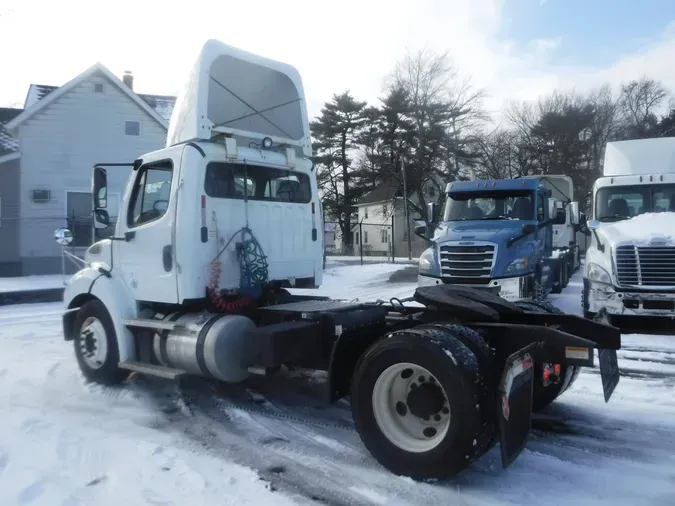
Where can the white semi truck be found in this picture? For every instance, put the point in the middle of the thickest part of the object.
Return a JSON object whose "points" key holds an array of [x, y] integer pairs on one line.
{"points": [[630, 263], [217, 228]]}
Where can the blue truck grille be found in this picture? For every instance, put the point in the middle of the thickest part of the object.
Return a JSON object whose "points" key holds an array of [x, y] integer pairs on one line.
{"points": [[467, 261], [645, 265]]}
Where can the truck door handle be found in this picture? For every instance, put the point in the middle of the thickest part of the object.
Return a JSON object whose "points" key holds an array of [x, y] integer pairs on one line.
{"points": [[167, 257], [128, 236]]}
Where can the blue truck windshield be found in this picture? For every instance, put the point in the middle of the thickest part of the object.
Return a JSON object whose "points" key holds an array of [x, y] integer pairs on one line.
{"points": [[616, 203], [496, 205]]}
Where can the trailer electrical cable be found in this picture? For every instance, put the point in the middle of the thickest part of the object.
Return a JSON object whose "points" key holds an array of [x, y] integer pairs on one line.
{"points": [[253, 267]]}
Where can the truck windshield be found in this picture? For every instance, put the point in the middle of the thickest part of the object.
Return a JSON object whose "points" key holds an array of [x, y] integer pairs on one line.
{"points": [[497, 205], [615, 203]]}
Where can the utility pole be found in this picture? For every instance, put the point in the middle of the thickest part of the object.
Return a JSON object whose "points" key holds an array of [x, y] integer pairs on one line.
{"points": [[405, 210]]}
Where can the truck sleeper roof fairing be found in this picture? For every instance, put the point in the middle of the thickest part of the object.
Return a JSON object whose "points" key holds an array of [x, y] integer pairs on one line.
{"points": [[640, 156], [250, 97]]}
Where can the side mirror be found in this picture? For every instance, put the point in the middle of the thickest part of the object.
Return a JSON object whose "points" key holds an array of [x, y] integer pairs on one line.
{"points": [[101, 218], [560, 217], [432, 212], [528, 228], [421, 231], [100, 188], [63, 236]]}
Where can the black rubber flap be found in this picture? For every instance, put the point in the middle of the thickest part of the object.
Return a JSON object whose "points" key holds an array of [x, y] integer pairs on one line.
{"points": [[464, 304]]}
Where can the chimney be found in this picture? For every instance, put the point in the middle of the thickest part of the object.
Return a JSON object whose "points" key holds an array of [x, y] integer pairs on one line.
{"points": [[128, 79]]}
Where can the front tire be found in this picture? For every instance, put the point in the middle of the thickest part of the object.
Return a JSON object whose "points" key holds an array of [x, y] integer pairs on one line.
{"points": [[95, 344], [417, 406]]}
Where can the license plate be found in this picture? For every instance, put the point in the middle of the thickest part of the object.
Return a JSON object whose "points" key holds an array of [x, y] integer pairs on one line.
{"points": [[609, 371]]}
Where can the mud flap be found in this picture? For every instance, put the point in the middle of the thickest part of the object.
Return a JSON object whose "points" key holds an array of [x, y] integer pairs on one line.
{"points": [[515, 403], [609, 364], [609, 372]]}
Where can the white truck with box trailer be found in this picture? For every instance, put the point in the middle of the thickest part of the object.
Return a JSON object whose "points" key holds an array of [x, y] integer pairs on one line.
{"points": [[216, 229], [630, 263]]}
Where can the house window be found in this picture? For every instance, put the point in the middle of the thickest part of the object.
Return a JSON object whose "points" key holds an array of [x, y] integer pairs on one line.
{"points": [[365, 237], [98, 87], [151, 193], [385, 209], [385, 236], [365, 212], [356, 237], [132, 128]]}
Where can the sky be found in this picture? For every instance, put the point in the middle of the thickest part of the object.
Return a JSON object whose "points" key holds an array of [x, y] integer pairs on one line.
{"points": [[515, 49]]}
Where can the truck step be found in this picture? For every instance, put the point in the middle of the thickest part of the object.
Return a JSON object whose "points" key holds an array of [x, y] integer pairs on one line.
{"points": [[149, 323], [158, 371]]}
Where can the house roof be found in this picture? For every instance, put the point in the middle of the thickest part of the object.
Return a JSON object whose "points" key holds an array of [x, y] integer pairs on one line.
{"points": [[159, 107], [384, 192], [8, 143]]}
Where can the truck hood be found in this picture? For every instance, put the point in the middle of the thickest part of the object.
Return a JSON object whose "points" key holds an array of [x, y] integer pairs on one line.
{"points": [[488, 230], [648, 228]]}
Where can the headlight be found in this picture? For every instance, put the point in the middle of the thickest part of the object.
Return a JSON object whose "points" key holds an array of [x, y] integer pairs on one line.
{"points": [[426, 262], [597, 273], [518, 265]]}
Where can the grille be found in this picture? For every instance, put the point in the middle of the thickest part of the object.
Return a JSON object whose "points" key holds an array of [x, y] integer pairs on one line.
{"points": [[645, 265], [474, 261]]}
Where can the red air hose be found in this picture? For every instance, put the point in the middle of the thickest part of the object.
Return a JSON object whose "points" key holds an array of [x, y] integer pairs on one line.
{"points": [[221, 304]]}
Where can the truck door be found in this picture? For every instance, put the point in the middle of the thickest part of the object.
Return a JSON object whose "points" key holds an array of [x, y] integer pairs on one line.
{"points": [[145, 251], [544, 238]]}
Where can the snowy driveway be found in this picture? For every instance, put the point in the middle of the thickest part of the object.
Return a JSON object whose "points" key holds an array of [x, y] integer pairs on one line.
{"points": [[63, 442]]}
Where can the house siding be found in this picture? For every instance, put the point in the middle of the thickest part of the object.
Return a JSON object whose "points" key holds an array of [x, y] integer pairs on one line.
{"points": [[59, 147], [10, 259]]}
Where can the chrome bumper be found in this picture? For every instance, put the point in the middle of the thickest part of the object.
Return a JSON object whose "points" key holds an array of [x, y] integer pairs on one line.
{"points": [[519, 288], [630, 303]]}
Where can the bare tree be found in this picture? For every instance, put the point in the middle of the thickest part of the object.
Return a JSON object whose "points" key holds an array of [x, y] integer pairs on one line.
{"points": [[638, 102]]}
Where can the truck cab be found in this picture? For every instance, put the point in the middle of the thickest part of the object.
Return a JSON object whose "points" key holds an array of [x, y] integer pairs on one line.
{"points": [[494, 234], [630, 262]]}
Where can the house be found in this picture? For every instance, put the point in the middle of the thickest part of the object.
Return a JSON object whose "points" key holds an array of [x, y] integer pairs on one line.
{"points": [[54, 142], [9, 195], [381, 229]]}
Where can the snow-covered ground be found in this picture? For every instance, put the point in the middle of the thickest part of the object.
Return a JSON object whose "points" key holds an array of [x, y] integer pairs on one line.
{"points": [[65, 442]]}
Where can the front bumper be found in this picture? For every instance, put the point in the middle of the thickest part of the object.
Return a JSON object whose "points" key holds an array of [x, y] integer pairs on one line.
{"points": [[518, 288], [630, 303]]}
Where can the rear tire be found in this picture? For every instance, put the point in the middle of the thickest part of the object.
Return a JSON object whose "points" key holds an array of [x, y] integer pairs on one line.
{"points": [[95, 344], [398, 429], [542, 395]]}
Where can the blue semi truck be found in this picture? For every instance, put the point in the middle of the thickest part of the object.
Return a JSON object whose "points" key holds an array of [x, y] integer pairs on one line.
{"points": [[499, 234]]}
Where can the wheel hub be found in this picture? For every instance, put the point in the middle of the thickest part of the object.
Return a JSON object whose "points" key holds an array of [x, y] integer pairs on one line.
{"points": [[92, 343], [410, 407], [425, 400]]}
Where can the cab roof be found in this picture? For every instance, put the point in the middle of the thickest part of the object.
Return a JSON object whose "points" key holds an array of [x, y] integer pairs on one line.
{"points": [[493, 184]]}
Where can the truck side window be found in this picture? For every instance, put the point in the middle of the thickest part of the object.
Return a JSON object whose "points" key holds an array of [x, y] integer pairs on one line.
{"points": [[151, 193], [226, 181], [540, 208]]}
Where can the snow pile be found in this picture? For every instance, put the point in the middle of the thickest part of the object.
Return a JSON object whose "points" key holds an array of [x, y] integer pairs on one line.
{"points": [[643, 227]]}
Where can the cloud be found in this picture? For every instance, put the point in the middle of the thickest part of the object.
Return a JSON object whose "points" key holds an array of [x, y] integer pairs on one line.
{"points": [[335, 46]]}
